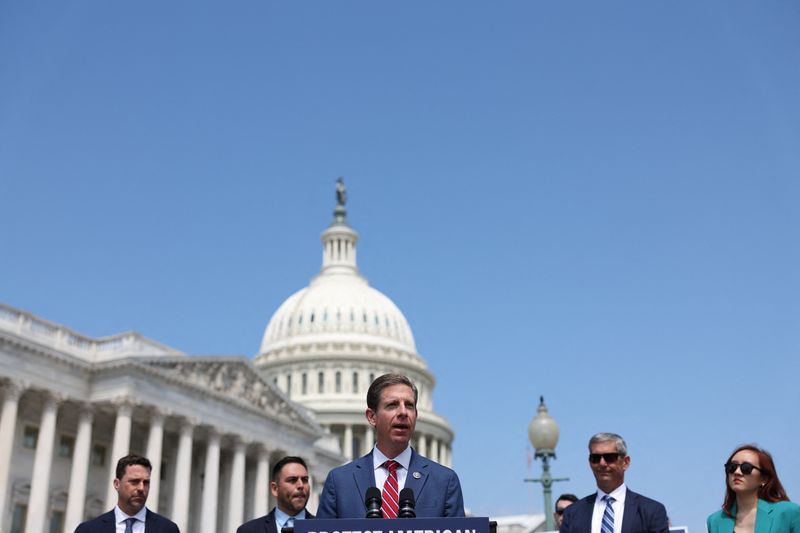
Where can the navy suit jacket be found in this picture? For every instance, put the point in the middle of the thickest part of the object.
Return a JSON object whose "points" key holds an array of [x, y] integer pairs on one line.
{"points": [[264, 524], [641, 515], [437, 489], [106, 523]]}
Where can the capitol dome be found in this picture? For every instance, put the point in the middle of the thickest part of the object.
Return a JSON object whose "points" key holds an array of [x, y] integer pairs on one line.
{"points": [[328, 341], [339, 306]]}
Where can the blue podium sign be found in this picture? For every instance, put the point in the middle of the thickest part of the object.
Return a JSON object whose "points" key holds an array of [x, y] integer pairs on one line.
{"points": [[396, 525]]}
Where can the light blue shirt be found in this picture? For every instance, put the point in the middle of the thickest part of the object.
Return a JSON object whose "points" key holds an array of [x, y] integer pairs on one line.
{"points": [[281, 518]]}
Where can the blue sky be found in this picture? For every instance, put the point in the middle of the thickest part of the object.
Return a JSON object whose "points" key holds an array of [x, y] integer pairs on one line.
{"points": [[592, 201]]}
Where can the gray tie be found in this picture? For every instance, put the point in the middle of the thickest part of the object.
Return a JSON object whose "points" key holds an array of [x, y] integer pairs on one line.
{"points": [[129, 525]]}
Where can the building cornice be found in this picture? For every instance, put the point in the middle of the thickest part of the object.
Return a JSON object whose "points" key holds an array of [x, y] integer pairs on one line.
{"points": [[231, 380], [28, 326], [322, 352]]}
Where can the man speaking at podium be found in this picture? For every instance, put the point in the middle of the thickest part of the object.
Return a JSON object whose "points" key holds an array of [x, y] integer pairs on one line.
{"points": [[392, 465]]}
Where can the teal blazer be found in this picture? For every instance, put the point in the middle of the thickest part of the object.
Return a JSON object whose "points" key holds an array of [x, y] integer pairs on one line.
{"points": [[771, 517]]}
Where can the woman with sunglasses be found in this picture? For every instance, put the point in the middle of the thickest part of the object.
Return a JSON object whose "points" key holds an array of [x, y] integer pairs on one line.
{"points": [[755, 501]]}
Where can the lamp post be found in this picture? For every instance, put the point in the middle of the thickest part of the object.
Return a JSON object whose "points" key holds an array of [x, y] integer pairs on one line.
{"points": [[543, 434]]}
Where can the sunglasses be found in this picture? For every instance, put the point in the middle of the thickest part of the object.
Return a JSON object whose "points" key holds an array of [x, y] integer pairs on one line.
{"points": [[609, 458], [746, 468], [560, 511]]}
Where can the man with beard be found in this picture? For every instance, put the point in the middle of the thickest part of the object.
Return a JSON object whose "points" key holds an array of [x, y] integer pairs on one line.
{"points": [[289, 487], [132, 483], [613, 508], [392, 464]]}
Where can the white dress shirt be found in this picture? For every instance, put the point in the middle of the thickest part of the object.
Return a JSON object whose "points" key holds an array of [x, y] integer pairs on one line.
{"points": [[600, 507], [120, 517], [381, 473]]}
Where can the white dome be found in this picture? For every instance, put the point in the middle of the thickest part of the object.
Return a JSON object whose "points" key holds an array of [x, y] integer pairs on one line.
{"points": [[338, 307]]}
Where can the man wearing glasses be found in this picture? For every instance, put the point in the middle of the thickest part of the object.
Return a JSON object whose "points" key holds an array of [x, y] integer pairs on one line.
{"points": [[563, 501], [613, 503]]}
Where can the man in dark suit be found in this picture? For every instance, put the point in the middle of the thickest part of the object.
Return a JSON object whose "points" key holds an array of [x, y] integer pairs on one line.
{"points": [[563, 501], [290, 488], [132, 483], [613, 508], [392, 464]]}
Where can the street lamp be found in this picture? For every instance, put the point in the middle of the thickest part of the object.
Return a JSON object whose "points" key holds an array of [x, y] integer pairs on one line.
{"points": [[543, 434]]}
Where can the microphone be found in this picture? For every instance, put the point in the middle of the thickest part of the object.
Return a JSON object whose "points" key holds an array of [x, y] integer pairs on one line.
{"points": [[373, 503], [406, 499]]}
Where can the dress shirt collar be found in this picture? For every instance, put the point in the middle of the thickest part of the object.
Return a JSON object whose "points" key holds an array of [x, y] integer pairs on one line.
{"points": [[618, 494], [281, 517], [120, 516], [378, 458]]}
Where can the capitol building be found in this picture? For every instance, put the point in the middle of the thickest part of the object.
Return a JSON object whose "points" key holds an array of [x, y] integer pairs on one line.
{"points": [[212, 426]]}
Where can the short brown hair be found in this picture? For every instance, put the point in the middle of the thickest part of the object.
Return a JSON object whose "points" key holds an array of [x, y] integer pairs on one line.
{"points": [[130, 460], [387, 380], [289, 459]]}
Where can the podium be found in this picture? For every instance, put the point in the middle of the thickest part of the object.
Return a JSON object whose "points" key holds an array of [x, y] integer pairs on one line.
{"points": [[394, 525]]}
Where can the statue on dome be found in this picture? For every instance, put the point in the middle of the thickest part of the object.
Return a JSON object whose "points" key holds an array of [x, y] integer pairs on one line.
{"points": [[341, 192]]}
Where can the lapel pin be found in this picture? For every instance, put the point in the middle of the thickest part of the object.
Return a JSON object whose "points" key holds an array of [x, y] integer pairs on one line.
{"points": [[416, 475]]}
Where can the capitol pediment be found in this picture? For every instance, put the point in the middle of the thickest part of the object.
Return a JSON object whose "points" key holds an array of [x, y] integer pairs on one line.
{"points": [[233, 380]]}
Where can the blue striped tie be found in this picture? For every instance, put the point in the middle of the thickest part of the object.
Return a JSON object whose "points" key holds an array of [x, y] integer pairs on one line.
{"points": [[608, 516]]}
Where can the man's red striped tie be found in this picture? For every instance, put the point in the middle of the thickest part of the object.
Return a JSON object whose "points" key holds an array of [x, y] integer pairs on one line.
{"points": [[390, 491]]}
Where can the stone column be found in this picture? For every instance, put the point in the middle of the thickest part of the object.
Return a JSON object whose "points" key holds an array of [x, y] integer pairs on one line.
{"points": [[236, 492], [121, 445], [155, 442], [422, 445], [208, 523], [183, 470], [8, 423], [261, 484], [316, 482], [369, 439], [80, 470], [36, 517], [433, 453], [348, 442]]}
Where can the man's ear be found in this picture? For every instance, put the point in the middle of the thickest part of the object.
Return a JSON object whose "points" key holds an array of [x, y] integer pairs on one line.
{"points": [[371, 417], [116, 484], [273, 488]]}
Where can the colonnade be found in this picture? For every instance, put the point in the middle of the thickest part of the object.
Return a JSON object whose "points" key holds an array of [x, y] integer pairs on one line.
{"points": [[233, 498], [430, 446], [433, 448]]}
